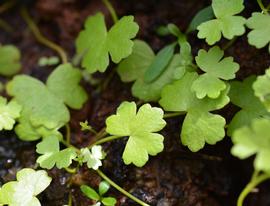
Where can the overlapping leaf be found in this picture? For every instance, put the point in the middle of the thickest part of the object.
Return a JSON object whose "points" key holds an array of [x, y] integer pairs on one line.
{"points": [[226, 22], [196, 131], [254, 140], [242, 95], [134, 67], [96, 43], [141, 128], [43, 111]]}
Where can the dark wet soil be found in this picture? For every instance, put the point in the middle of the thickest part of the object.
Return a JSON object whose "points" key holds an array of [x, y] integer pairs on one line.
{"points": [[176, 177]]}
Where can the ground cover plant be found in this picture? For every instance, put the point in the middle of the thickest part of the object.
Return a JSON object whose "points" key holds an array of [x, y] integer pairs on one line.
{"points": [[113, 119]]}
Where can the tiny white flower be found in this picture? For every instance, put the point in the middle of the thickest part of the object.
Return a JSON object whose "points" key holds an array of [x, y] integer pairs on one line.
{"points": [[93, 158]]}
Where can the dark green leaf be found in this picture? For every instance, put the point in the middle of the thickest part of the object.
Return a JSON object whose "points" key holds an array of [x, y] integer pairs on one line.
{"points": [[159, 63], [90, 192], [203, 15]]}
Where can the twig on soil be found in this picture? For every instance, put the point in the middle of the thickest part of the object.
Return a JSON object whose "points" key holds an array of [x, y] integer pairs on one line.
{"points": [[7, 5], [40, 38], [101, 174], [5, 26]]}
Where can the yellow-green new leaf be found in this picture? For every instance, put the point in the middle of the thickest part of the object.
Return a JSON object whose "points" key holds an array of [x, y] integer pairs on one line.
{"points": [[141, 128], [9, 112], [52, 155]]}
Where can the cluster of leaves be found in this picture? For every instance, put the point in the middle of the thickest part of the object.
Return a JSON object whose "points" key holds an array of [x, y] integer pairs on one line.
{"points": [[98, 197]]}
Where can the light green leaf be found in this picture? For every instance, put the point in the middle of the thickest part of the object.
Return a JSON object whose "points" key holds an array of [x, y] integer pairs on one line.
{"points": [[216, 68], [109, 201], [226, 23], [93, 158], [259, 36], [23, 192], [134, 66], [9, 112], [262, 89], [253, 140], [51, 154], [141, 128], [103, 188], [96, 43], [178, 97], [242, 95], [90, 192], [64, 83], [48, 61], [10, 60], [200, 128]]}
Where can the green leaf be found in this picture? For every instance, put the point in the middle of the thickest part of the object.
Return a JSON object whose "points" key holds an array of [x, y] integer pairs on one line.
{"points": [[226, 23], [103, 188], [93, 158], [136, 64], [262, 89], [90, 192], [253, 140], [9, 112], [109, 201], [9, 62], [202, 16], [141, 128], [64, 83], [178, 97], [259, 36], [29, 184], [51, 154], [202, 127], [216, 68], [159, 63], [43, 112], [242, 95], [96, 43]]}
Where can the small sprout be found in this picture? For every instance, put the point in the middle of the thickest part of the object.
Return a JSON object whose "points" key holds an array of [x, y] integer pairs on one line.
{"points": [[9, 112], [93, 158], [48, 61], [86, 127], [9, 61], [98, 197], [141, 127], [97, 43], [29, 184], [52, 155]]}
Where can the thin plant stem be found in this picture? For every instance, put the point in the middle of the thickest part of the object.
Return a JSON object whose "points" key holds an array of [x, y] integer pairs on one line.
{"points": [[120, 189], [173, 114], [68, 134], [264, 10], [71, 170], [5, 26], [102, 133], [40, 38], [70, 199], [255, 181], [111, 10], [229, 43], [7, 5], [106, 139], [268, 7], [69, 145]]}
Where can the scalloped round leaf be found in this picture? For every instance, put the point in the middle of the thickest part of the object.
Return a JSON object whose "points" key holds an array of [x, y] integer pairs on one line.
{"points": [[201, 127], [10, 60]]}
